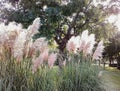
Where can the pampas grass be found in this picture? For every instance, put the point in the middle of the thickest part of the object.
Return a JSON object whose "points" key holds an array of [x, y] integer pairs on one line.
{"points": [[27, 65]]}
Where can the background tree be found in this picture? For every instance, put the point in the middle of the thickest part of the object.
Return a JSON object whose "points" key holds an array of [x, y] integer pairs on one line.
{"points": [[61, 19], [113, 7], [112, 50]]}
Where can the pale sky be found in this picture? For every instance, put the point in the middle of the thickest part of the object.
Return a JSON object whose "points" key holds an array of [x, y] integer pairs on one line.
{"points": [[115, 19]]}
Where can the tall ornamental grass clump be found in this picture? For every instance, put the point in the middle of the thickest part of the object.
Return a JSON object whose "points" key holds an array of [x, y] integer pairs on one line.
{"points": [[14, 77], [44, 80], [79, 73], [21, 58], [79, 77], [29, 65]]}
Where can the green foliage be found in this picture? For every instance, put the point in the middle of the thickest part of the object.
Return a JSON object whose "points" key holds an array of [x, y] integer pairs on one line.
{"points": [[74, 76], [44, 80], [79, 74], [113, 47], [14, 75], [80, 77], [112, 50], [78, 15], [56, 14]]}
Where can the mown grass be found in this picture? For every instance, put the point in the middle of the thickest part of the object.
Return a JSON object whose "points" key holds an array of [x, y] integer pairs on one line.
{"points": [[111, 79]]}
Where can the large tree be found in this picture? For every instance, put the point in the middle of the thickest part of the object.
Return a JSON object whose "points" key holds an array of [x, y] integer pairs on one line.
{"points": [[61, 19], [112, 50]]}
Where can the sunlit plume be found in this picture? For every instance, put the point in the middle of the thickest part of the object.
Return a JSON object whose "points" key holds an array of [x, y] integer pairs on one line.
{"points": [[51, 59], [84, 43], [98, 52], [3, 34], [19, 45], [44, 55], [10, 29], [20, 42], [33, 29], [89, 45], [84, 35], [72, 45], [13, 26], [86, 48], [43, 46], [28, 51], [8, 34], [83, 40], [40, 45], [36, 63], [77, 41]]}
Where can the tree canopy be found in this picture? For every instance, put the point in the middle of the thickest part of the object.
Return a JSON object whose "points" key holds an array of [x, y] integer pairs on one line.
{"points": [[112, 50], [61, 19]]}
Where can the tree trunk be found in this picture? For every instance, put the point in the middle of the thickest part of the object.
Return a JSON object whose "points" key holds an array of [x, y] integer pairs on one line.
{"points": [[110, 61], [118, 64], [104, 63]]}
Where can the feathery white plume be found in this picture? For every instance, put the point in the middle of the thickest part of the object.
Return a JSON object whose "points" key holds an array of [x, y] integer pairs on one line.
{"points": [[98, 52]]}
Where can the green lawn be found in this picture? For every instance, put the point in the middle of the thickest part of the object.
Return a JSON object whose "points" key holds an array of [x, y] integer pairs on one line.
{"points": [[111, 79]]}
